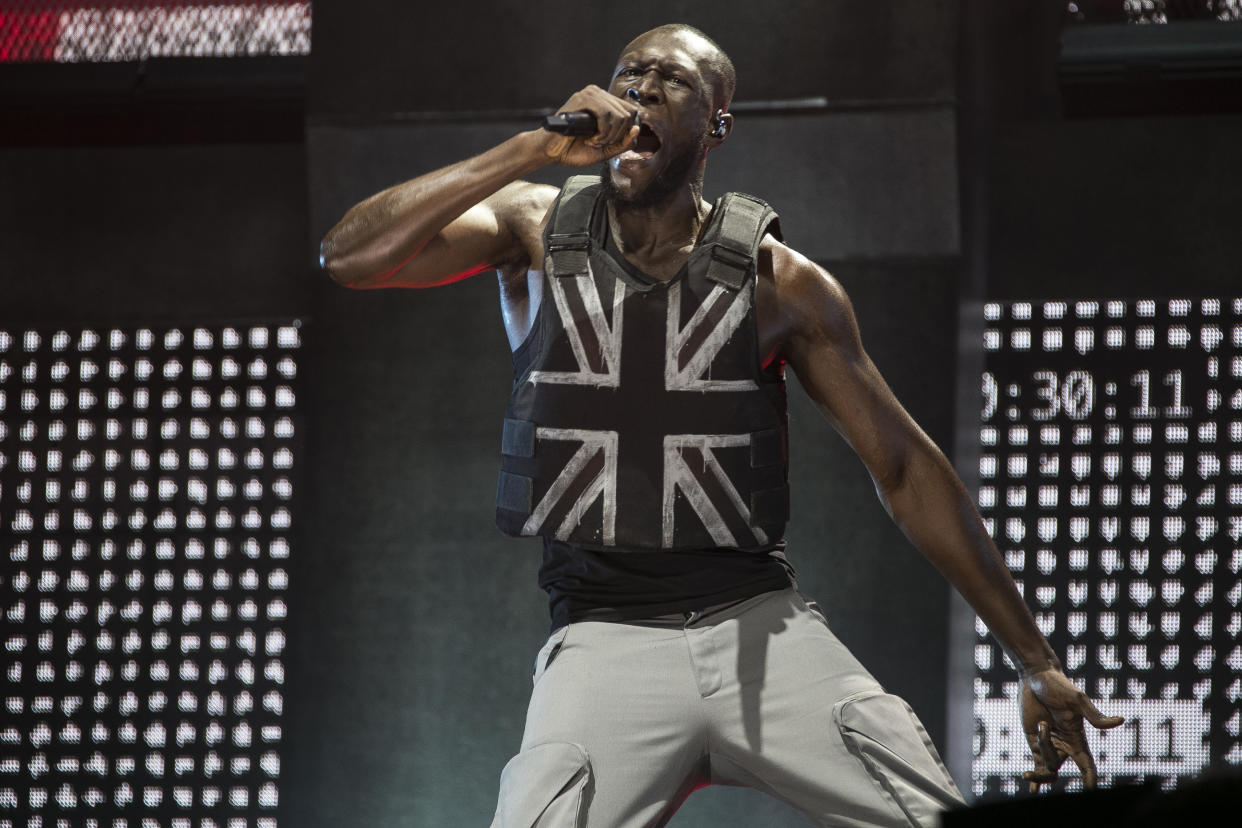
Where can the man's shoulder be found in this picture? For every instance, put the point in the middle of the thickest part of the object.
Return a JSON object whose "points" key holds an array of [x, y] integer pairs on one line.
{"points": [[524, 200], [781, 263], [522, 207], [795, 280]]}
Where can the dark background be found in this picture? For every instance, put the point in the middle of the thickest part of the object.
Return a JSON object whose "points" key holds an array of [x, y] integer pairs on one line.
{"points": [[941, 168]]}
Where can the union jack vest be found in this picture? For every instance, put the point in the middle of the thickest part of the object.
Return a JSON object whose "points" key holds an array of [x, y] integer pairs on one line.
{"points": [[640, 417]]}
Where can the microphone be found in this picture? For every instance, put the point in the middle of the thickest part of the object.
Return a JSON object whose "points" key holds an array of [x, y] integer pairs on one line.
{"points": [[571, 123], [581, 123]]}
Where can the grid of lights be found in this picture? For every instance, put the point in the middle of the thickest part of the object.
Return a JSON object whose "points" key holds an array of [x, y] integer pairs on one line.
{"points": [[81, 31], [1148, 12], [145, 511], [1111, 479]]}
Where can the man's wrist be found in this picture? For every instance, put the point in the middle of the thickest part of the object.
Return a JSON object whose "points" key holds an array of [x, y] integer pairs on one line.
{"points": [[533, 150], [1037, 664]]}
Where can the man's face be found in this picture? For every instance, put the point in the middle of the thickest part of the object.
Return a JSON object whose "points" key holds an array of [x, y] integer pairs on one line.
{"points": [[670, 74]]}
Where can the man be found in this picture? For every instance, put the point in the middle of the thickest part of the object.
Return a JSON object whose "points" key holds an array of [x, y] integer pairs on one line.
{"points": [[645, 442]]}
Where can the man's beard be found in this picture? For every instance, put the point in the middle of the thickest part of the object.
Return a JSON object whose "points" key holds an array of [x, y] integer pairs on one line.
{"points": [[674, 176]]}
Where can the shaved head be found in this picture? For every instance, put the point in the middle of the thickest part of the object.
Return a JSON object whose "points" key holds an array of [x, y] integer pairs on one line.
{"points": [[711, 56]]}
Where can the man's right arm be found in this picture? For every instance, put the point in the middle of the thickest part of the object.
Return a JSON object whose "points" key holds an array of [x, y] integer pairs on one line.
{"points": [[439, 227], [464, 218]]}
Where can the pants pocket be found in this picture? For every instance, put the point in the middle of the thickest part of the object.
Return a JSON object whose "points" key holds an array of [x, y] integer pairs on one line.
{"points": [[545, 786], [548, 652], [883, 733]]}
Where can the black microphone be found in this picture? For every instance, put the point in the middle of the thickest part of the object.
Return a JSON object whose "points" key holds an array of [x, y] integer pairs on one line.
{"points": [[571, 123]]}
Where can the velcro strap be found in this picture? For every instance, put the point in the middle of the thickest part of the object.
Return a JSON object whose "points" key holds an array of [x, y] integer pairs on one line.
{"points": [[515, 493], [568, 263], [766, 448], [568, 241], [567, 238], [769, 507], [518, 439], [567, 253], [728, 266], [734, 238]]}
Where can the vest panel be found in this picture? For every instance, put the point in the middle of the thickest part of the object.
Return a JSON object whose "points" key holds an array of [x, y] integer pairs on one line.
{"points": [[639, 416]]}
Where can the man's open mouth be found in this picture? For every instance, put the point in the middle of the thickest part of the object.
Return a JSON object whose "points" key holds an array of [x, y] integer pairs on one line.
{"points": [[645, 146], [648, 142]]}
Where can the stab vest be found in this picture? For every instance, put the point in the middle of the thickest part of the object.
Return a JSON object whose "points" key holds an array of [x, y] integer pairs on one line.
{"points": [[640, 417]]}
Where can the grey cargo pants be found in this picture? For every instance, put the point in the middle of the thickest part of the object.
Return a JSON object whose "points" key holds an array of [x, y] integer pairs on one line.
{"points": [[626, 720]]}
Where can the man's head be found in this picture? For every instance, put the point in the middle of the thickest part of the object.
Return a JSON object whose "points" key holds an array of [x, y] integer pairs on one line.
{"points": [[712, 59], [683, 83]]}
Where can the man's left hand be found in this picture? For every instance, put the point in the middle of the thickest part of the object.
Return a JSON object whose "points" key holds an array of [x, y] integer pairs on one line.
{"points": [[1052, 713]]}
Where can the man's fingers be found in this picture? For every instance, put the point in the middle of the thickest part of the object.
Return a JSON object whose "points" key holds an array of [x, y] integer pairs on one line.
{"points": [[615, 118], [1088, 772], [614, 132], [1038, 777], [629, 138], [1072, 742], [1098, 719], [1064, 745], [611, 150], [1077, 750], [1053, 710], [1047, 758], [1092, 714], [1046, 749]]}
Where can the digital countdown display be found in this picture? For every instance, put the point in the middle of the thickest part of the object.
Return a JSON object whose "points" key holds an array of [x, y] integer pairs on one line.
{"points": [[146, 506], [1111, 481]]}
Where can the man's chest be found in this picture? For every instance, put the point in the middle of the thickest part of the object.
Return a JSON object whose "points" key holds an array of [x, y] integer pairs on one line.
{"points": [[524, 289], [640, 415]]}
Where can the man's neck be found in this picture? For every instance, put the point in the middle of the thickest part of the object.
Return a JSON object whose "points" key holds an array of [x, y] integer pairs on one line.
{"points": [[657, 239]]}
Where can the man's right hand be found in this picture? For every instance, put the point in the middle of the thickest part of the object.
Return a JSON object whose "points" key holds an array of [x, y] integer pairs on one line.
{"points": [[616, 129]]}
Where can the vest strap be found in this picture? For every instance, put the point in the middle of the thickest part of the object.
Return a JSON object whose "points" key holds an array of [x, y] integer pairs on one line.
{"points": [[567, 237], [728, 267], [767, 447], [769, 507], [734, 239], [515, 493], [518, 438]]}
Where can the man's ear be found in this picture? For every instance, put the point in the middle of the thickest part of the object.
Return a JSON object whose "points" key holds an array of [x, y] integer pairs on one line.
{"points": [[719, 128]]}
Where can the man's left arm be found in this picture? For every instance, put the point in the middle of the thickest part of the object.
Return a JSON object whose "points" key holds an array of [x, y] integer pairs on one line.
{"points": [[926, 499]]}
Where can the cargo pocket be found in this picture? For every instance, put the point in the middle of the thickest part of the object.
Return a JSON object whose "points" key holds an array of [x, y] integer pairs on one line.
{"points": [[883, 733], [545, 786], [548, 652]]}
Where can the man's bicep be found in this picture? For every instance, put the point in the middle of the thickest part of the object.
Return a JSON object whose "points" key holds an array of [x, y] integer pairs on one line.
{"points": [[470, 243], [828, 357], [824, 347], [496, 231]]}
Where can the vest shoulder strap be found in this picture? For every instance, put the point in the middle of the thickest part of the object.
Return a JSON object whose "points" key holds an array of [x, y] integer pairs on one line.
{"points": [[735, 236], [567, 237]]}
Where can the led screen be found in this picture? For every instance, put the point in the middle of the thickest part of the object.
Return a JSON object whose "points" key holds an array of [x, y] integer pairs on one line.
{"points": [[1111, 480], [146, 506], [104, 31]]}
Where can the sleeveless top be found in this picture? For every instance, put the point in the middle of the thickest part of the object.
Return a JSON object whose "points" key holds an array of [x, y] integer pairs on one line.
{"points": [[640, 418]]}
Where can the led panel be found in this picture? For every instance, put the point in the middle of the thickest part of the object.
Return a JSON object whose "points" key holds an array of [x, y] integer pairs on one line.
{"points": [[103, 31], [1111, 480], [146, 506]]}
